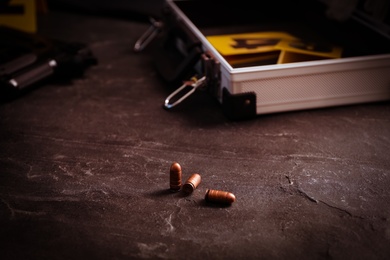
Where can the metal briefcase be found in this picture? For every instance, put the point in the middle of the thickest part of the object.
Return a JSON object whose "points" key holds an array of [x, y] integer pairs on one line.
{"points": [[272, 56]]}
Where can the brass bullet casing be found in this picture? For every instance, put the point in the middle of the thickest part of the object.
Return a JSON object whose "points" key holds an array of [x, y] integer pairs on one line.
{"points": [[219, 196], [192, 183], [175, 177]]}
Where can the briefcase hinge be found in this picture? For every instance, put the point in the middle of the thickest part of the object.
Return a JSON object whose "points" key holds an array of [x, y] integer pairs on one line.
{"points": [[212, 72]]}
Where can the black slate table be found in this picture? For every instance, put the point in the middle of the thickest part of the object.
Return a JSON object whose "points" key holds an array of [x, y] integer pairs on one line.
{"points": [[85, 168]]}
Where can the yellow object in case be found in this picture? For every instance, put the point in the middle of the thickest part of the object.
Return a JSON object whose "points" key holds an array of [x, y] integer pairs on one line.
{"points": [[271, 47]]}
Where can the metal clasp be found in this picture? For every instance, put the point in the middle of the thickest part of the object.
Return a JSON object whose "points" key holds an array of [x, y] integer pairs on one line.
{"points": [[192, 84], [149, 35]]}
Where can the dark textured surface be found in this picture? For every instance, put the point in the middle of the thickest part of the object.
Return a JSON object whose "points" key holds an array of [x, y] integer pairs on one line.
{"points": [[85, 169]]}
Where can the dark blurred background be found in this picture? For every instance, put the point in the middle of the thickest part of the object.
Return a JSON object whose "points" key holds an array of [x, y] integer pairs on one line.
{"points": [[126, 9]]}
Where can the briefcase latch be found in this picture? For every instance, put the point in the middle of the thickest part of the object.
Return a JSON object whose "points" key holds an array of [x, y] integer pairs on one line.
{"points": [[209, 80], [183, 92], [151, 33]]}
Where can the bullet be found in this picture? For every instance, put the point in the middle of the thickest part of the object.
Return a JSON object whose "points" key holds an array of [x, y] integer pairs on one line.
{"points": [[175, 173], [219, 196], [192, 183]]}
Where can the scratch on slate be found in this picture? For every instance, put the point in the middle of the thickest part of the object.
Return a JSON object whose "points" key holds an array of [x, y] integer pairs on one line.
{"points": [[168, 221], [333, 207], [304, 194]]}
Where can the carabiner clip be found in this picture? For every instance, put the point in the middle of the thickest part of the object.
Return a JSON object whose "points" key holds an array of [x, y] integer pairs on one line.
{"points": [[148, 36], [194, 84]]}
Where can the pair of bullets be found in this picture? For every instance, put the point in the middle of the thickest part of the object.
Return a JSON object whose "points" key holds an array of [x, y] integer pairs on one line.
{"points": [[193, 182]]}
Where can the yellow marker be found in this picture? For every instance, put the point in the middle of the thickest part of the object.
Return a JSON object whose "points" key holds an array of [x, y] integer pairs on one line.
{"points": [[20, 15]]}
